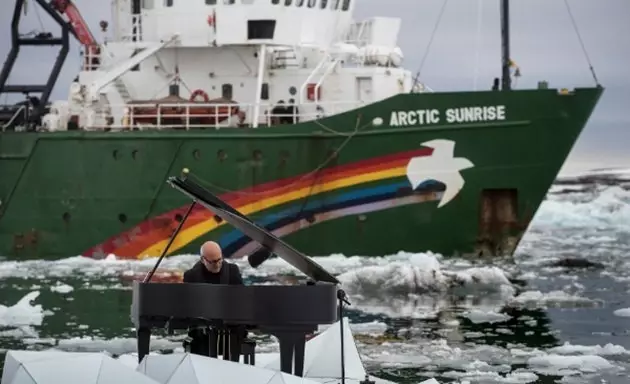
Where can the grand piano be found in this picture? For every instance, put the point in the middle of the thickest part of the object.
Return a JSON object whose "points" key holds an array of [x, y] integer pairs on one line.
{"points": [[289, 313]]}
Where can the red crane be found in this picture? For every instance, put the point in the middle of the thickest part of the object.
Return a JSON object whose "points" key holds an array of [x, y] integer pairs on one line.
{"points": [[81, 31]]}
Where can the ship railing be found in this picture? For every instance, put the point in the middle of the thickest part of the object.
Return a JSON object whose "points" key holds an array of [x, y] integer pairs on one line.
{"points": [[21, 111], [187, 116], [92, 55]]}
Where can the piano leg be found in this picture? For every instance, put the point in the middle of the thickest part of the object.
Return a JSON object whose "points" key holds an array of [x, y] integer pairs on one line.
{"points": [[213, 340], [144, 341], [292, 346], [298, 349], [234, 341], [226, 341]]}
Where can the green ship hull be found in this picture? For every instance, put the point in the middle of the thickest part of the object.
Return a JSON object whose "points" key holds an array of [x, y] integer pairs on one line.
{"points": [[342, 184]]}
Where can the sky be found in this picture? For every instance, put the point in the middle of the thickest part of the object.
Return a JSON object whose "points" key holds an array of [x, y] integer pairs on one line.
{"points": [[464, 53]]}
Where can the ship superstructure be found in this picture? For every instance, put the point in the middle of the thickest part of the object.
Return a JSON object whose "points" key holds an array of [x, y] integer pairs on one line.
{"points": [[222, 63]]}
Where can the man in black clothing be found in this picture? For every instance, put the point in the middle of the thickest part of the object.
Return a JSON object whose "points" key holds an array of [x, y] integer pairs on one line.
{"points": [[212, 269]]}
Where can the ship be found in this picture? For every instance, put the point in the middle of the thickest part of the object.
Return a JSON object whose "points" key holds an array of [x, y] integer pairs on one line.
{"points": [[301, 117]]}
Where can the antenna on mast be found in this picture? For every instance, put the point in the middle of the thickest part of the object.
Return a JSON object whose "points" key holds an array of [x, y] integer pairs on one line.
{"points": [[506, 81]]}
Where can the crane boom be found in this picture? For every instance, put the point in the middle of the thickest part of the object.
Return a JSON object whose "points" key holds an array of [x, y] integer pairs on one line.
{"points": [[80, 29]]}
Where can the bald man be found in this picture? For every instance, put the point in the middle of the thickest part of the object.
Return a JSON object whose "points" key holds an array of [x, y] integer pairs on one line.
{"points": [[212, 269]]}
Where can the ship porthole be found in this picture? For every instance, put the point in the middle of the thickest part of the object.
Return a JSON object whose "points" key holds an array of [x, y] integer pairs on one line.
{"points": [[221, 155], [115, 154], [196, 154], [134, 153], [122, 218], [66, 217], [178, 217]]}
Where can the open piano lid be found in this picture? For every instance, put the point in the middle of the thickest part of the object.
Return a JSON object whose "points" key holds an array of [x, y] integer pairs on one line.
{"points": [[220, 208]]}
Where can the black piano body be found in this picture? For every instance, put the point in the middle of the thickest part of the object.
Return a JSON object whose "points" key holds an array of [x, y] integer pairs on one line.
{"points": [[289, 313]]}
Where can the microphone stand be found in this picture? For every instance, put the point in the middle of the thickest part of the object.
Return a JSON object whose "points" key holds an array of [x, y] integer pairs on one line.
{"points": [[342, 298]]}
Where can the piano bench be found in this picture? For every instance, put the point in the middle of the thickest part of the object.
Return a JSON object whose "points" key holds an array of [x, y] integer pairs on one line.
{"points": [[248, 350]]}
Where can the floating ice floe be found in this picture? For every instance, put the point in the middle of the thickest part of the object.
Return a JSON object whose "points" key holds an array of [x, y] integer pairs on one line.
{"points": [[62, 288], [623, 312], [23, 312]]}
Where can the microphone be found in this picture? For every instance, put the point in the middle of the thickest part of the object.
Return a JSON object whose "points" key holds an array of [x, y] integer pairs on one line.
{"points": [[258, 257]]}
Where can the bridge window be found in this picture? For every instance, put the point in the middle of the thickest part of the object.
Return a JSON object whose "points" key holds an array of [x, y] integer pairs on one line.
{"points": [[229, 2], [299, 3], [275, 1], [345, 5], [287, 2], [211, 2], [323, 4], [168, 3], [226, 91], [311, 3], [260, 29]]}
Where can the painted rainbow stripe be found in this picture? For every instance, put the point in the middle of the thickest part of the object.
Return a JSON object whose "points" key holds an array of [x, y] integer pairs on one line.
{"points": [[148, 238], [238, 245]]}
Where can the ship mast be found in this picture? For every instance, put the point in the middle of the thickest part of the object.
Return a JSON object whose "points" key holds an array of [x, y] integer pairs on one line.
{"points": [[506, 81]]}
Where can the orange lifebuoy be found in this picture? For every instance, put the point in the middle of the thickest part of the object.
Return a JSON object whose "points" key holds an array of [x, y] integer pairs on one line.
{"points": [[199, 92]]}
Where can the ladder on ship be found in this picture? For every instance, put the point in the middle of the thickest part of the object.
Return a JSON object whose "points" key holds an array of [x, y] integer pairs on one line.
{"points": [[121, 95], [122, 89], [324, 68]]}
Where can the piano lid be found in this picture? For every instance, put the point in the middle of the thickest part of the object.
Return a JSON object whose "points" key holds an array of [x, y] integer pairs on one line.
{"points": [[292, 256]]}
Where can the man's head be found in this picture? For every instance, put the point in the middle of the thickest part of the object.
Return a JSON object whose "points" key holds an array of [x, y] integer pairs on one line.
{"points": [[211, 256]]}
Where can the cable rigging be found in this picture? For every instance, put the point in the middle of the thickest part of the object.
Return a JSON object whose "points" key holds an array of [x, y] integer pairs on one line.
{"points": [[577, 31], [426, 52]]}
